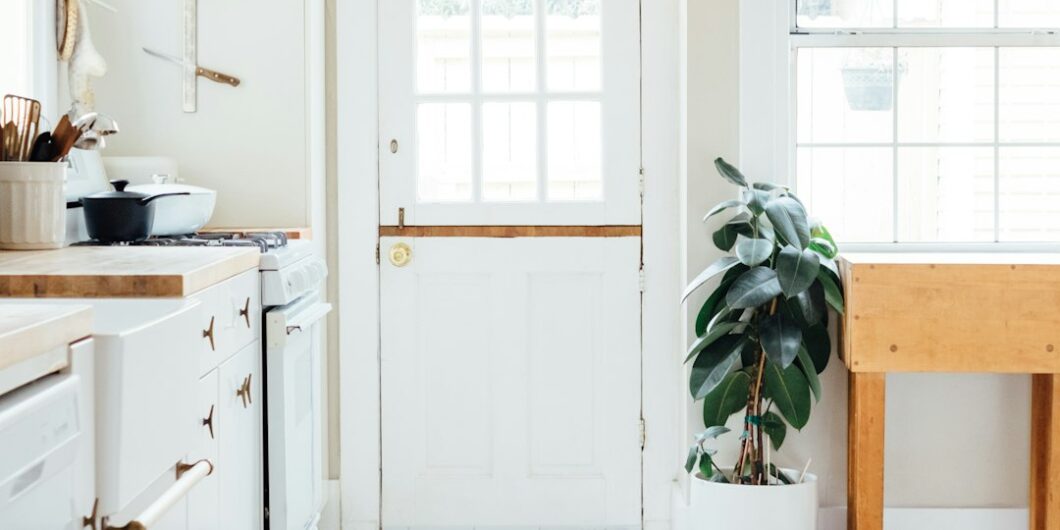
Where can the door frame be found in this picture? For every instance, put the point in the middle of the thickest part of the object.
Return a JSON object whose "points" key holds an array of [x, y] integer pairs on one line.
{"points": [[357, 187]]}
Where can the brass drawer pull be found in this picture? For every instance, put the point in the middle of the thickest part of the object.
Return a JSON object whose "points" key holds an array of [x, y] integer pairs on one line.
{"points": [[208, 334], [244, 391], [90, 520], [208, 422], [245, 312]]}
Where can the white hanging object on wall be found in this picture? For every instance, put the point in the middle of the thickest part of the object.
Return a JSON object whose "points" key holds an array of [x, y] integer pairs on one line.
{"points": [[85, 63]]}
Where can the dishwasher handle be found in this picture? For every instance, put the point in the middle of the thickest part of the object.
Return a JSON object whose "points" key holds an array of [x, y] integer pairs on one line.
{"points": [[188, 476]]}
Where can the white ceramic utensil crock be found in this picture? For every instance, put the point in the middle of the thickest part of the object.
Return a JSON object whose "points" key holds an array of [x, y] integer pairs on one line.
{"points": [[32, 205]]}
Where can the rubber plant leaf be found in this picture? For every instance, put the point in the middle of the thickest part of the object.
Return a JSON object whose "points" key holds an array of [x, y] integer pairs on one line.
{"points": [[729, 398], [796, 270], [753, 288], [781, 338], [753, 251], [714, 363], [775, 428], [713, 270], [789, 219], [730, 172], [790, 393]]}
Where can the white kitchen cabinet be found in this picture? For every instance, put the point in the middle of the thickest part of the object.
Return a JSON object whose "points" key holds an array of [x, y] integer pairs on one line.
{"points": [[240, 462], [83, 365], [203, 502]]}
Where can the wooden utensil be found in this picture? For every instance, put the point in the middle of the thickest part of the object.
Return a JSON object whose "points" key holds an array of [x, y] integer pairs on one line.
{"points": [[10, 137], [25, 114]]}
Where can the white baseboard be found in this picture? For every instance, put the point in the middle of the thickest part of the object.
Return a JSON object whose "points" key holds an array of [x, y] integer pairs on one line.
{"points": [[934, 518], [331, 515]]}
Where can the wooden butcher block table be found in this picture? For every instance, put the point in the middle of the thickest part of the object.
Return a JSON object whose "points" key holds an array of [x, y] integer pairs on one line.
{"points": [[953, 312]]}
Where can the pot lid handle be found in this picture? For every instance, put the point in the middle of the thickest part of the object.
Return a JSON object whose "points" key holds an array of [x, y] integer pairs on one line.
{"points": [[119, 185]]}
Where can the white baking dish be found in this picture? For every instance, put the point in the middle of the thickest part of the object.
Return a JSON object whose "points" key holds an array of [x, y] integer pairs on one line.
{"points": [[182, 214]]}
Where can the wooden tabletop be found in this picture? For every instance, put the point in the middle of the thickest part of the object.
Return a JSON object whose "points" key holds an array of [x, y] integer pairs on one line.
{"points": [[29, 330], [952, 312], [120, 272]]}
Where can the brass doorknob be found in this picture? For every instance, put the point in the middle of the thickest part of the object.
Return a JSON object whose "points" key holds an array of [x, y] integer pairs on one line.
{"points": [[400, 254]]}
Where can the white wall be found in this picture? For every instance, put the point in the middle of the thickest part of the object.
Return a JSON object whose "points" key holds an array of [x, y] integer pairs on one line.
{"points": [[952, 440], [256, 144]]}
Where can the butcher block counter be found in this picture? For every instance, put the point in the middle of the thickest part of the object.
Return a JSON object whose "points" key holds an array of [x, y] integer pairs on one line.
{"points": [[120, 272], [950, 312], [30, 330]]}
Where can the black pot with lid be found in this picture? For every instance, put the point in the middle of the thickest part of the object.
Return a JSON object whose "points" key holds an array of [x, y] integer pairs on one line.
{"points": [[119, 216]]}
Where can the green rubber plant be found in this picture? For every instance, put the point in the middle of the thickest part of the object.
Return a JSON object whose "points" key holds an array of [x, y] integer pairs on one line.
{"points": [[763, 333]]}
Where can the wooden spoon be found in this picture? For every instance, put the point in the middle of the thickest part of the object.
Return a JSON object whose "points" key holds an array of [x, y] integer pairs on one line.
{"points": [[10, 146]]}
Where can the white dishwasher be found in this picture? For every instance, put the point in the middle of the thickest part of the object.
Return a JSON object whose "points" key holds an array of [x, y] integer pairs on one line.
{"points": [[40, 434]]}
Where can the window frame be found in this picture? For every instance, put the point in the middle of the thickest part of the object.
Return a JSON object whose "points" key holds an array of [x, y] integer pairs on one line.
{"points": [[770, 40]]}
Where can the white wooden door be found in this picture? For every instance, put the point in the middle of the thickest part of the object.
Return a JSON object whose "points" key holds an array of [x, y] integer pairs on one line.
{"points": [[511, 383], [240, 460], [509, 112]]}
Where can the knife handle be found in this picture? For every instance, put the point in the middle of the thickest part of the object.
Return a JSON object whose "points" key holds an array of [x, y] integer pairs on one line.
{"points": [[217, 77]]}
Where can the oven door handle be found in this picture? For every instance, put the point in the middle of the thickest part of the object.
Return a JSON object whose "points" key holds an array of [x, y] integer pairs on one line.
{"points": [[307, 318], [188, 476]]}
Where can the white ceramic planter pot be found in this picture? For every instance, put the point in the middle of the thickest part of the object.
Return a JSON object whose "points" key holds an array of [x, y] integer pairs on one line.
{"points": [[32, 205], [717, 506]]}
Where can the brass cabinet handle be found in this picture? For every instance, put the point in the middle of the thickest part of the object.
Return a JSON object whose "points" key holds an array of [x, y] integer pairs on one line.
{"points": [[90, 520], [245, 312], [208, 422], [244, 391], [208, 334]]}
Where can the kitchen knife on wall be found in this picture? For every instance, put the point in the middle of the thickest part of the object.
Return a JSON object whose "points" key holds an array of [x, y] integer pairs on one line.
{"points": [[216, 77]]}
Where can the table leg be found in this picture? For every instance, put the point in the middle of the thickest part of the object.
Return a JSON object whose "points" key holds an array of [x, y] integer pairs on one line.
{"points": [[1045, 452], [865, 451]]}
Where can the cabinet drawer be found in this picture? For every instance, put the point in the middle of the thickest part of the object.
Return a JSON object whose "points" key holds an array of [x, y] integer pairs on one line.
{"points": [[241, 301], [144, 384], [231, 318]]}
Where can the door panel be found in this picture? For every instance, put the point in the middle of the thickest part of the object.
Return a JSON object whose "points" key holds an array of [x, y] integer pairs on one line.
{"points": [[511, 383]]}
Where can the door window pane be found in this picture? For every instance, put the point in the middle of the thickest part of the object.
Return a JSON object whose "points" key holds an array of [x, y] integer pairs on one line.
{"points": [[946, 95], [443, 46], [946, 194], [508, 51], [845, 13], [1030, 94], [573, 43], [1030, 194], [574, 155], [444, 161], [509, 151], [1028, 13], [851, 190], [845, 95]]}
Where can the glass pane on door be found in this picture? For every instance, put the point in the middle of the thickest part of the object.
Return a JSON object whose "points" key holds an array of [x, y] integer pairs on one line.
{"points": [[443, 49], [508, 46], [573, 41], [509, 151], [444, 162]]}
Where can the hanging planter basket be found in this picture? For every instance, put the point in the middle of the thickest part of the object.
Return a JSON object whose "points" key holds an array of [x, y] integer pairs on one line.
{"points": [[815, 8], [869, 88]]}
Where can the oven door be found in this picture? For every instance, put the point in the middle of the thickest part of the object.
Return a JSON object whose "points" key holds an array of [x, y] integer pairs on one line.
{"points": [[294, 348]]}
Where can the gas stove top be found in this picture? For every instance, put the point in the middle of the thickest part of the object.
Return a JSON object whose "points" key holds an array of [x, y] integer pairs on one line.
{"points": [[264, 241]]}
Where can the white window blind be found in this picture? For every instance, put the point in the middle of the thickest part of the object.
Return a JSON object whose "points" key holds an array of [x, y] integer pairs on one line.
{"points": [[928, 121]]}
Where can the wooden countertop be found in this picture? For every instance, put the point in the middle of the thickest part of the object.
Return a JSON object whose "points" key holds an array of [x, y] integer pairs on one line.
{"points": [[119, 272], [30, 330]]}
